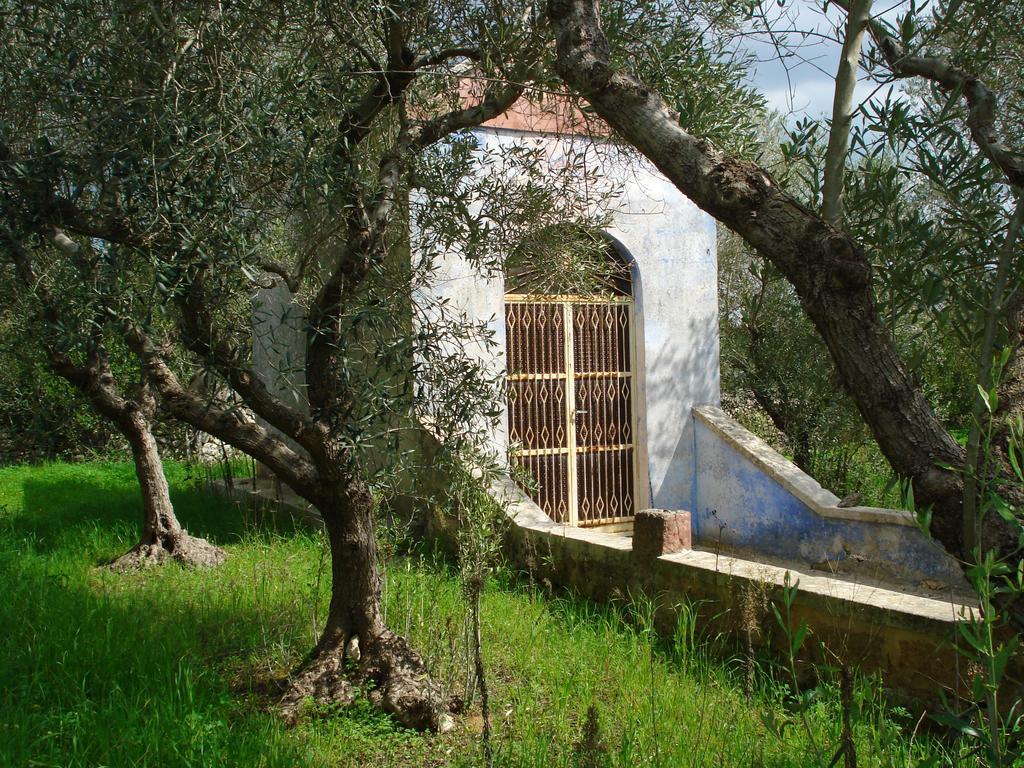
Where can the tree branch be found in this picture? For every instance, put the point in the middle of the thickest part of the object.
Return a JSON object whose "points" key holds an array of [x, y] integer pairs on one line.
{"points": [[446, 54], [355, 126], [993, 312], [842, 104], [54, 216], [367, 232], [224, 424], [980, 99], [496, 101], [204, 340], [364, 244], [829, 270], [291, 280]]}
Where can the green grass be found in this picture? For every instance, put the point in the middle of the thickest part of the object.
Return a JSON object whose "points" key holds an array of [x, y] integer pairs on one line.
{"points": [[166, 668]]}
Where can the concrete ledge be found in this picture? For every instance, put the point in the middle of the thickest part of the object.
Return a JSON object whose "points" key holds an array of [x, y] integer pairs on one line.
{"points": [[908, 638], [825, 587], [529, 517], [790, 476]]}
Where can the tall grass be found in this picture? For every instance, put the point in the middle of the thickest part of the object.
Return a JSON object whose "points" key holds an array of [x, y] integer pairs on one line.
{"points": [[170, 667]]}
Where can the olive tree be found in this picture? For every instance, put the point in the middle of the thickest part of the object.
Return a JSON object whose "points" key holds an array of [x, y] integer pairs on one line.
{"points": [[72, 328], [216, 151], [828, 266]]}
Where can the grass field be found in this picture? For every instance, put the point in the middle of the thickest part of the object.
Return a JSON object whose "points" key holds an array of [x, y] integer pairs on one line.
{"points": [[169, 667]]}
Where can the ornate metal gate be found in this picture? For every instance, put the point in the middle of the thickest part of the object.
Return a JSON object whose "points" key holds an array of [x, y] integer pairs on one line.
{"points": [[571, 404]]}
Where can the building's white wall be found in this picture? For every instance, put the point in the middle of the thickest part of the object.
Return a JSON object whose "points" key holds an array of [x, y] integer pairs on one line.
{"points": [[479, 299], [672, 244], [279, 343], [676, 291]]}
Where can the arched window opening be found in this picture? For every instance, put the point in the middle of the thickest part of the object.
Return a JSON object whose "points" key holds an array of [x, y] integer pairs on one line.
{"points": [[568, 262]]}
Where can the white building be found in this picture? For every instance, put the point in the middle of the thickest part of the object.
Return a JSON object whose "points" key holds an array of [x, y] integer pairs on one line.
{"points": [[613, 396], [602, 386]]}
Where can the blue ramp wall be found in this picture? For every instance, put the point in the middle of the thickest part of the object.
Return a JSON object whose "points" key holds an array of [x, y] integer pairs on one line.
{"points": [[750, 500]]}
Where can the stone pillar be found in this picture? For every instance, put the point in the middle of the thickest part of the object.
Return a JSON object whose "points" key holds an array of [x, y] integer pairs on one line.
{"points": [[659, 532]]}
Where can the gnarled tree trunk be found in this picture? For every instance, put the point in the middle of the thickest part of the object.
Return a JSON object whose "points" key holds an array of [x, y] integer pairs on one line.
{"points": [[162, 538], [356, 648]]}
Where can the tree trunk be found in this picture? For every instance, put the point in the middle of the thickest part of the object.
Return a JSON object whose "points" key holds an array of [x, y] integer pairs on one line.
{"points": [[356, 649], [801, 443], [797, 436], [838, 148], [163, 538], [829, 270]]}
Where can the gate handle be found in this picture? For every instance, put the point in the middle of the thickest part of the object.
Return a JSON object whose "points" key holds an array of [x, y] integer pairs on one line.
{"points": [[582, 411]]}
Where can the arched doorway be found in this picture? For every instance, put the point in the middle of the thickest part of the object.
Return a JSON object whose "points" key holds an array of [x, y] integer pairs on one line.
{"points": [[572, 396]]}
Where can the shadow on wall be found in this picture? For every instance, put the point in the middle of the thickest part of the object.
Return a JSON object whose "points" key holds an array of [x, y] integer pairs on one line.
{"points": [[279, 343], [676, 336], [681, 372]]}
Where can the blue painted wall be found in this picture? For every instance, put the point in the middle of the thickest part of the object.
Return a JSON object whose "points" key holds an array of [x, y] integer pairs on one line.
{"points": [[739, 505]]}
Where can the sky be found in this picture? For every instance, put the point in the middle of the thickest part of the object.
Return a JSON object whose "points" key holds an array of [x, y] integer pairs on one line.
{"points": [[811, 61]]}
